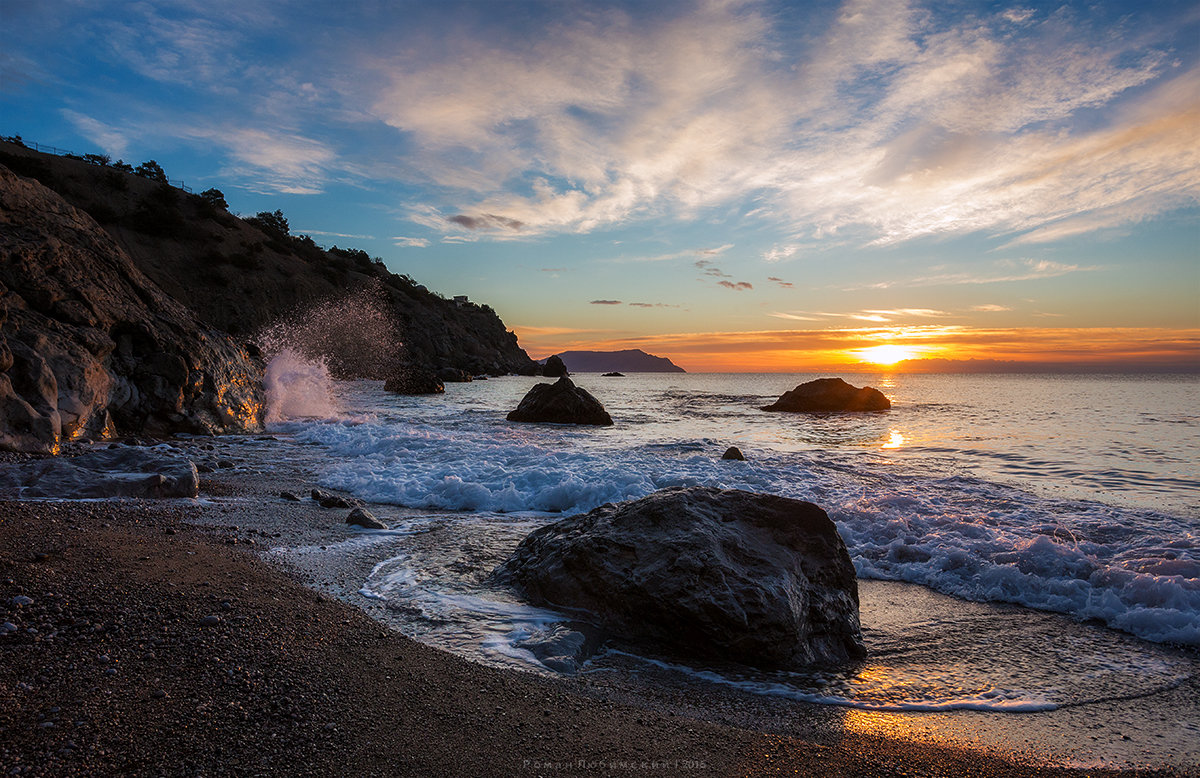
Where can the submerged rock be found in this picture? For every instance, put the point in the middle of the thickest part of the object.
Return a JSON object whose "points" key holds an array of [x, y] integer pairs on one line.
{"points": [[119, 472], [830, 395], [733, 452], [554, 367], [561, 403], [414, 380], [728, 574]]}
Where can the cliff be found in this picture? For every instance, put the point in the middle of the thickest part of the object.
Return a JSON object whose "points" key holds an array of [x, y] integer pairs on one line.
{"points": [[628, 361], [89, 346], [243, 275]]}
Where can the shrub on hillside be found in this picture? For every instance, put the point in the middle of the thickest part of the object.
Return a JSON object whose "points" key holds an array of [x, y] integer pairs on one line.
{"points": [[151, 170]]}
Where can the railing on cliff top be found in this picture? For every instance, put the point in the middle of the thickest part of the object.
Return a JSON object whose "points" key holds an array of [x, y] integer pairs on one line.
{"points": [[55, 150]]}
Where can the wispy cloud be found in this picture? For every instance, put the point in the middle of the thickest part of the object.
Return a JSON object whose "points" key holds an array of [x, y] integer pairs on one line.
{"points": [[737, 286], [781, 282], [1004, 271], [777, 253], [990, 308], [605, 302], [113, 140], [405, 242], [323, 233]]}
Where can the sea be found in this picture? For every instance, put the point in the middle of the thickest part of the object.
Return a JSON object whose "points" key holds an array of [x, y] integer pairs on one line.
{"points": [[1047, 527]]}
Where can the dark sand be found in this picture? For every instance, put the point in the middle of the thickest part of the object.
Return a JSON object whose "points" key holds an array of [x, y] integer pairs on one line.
{"points": [[124, 676]]}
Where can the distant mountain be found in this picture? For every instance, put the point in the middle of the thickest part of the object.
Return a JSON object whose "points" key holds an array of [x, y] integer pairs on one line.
{"points": [[629, 361]]}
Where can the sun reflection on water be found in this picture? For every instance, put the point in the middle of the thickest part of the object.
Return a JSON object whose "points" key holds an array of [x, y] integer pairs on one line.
{"points": [[895, 439]]}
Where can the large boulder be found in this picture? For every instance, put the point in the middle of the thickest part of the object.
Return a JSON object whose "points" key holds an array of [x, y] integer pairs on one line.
{"points": [[561, 403], [454, 375], [118, 472], [726, 574], [826, 395], [414, 380], [92, 347], [554, 367]]}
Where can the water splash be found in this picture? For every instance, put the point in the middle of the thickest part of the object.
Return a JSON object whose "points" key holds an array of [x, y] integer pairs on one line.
{"points": [[354, 336], [298, 387]]}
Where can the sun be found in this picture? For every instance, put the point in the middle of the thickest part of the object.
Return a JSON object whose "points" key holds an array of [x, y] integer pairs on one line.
{"points": [[884, 355]]}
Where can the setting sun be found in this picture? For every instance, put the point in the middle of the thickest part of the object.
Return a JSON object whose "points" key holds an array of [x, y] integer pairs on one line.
{"points": [[885, 355]]}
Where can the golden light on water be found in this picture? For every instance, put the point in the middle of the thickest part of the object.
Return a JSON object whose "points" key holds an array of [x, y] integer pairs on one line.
{"points": [[895, 439], [885, 355]]}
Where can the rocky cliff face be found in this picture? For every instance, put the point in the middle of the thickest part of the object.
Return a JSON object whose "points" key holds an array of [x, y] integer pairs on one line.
{"points": [[241, 277], [90, 346]]}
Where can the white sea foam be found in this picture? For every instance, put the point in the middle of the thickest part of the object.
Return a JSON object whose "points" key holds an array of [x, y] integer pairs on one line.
{"points": [[1135, 570]]}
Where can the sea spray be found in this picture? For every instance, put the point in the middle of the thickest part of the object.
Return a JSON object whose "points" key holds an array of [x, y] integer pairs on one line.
{"points": [[355, 335], [298, 387]]}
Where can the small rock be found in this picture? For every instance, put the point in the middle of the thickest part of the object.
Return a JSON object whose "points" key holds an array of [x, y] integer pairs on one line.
{"points": [[203, 468], [363, 518], [290, 496], [20, 601], [225, 464], [318, 495], [733, 452], [8, 627], [211, 620], [158, 694]]}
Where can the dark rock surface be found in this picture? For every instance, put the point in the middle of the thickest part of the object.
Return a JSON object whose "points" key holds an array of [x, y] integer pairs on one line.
{"points": [[240, 277], [733, 452], [116, 472], [561, 403], [751, 578], [826, 395], [92, 347], [614, 374], [414, 380], [361, 517], [454, 375], [554, 368]]}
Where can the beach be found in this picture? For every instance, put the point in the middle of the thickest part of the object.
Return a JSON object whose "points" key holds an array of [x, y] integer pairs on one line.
{"points": [[128, 673]]}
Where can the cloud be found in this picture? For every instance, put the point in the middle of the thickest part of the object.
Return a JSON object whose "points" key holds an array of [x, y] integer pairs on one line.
{"points": [[714, 251], [415, 243], [894, 121], [1009, 271], [605, 302], [781, 282], [272, 161], [990, 308], [710, 270], [918, 312], [777, 253], [652, 305], [333, 234], [111, 139], [738, 286], [486, 221]]}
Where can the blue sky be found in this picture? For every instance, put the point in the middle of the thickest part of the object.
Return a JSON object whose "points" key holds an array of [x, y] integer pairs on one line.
{"points": [[763, 185]]}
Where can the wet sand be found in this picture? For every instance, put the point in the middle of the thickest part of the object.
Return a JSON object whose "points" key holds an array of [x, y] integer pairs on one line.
{"points": [[128, 672]]}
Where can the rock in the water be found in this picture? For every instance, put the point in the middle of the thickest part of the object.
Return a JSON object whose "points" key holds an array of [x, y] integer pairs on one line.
{"points": [[119, 472], [614, 374], [361, 517], [452, 375], [289, 496], [561, 403], [733, 452], [830, 395], [337, 501], [751, 578], [320, 494], [554, 367], [560, 647], [93, 347], [414, 380]]}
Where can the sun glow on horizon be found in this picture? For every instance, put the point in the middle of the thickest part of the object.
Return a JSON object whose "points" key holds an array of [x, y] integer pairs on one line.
{"points": [[885, 355]]}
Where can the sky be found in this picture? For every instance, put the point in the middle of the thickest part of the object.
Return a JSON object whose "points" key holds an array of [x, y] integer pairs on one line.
{"points": [[736, 185]]}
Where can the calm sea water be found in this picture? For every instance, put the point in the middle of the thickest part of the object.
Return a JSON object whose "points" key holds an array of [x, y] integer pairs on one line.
{"points": [[1075, 495]]}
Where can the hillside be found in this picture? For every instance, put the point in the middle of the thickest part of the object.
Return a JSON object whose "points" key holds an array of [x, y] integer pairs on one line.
{"points": [[628, 361], [242, 275]]}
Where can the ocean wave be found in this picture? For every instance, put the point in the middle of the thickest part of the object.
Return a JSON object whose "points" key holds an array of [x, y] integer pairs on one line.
{"points": [[1134, 570]]}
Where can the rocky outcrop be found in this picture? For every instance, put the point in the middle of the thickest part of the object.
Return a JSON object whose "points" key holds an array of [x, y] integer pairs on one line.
{"points": [[554, 367], [734, 453], [414, 380], [454, 375], [361, 517], [827, 395], [241, 276], [93, 347], [117, 472], [733, 575], [561, 403], [632, 360]]}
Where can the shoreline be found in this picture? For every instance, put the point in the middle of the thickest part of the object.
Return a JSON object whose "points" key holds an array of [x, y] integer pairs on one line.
{"points": [[287, 680]]}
